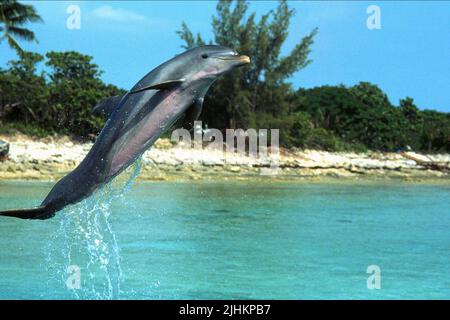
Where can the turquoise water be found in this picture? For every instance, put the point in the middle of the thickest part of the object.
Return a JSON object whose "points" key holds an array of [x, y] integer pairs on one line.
{"points": [[231, 240]]}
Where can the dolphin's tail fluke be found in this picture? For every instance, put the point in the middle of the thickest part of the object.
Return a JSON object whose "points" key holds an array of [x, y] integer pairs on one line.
{"points": [[41, 213]]}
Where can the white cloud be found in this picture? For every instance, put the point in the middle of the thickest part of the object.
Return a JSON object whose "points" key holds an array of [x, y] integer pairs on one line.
{"points": [[118, 15]]}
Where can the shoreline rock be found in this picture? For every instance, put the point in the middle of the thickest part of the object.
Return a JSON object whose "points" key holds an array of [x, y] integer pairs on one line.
{"points": [[52, 158]]}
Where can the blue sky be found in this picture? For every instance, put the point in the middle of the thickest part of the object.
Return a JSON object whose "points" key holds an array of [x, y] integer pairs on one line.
{"points": [[408, 56]]}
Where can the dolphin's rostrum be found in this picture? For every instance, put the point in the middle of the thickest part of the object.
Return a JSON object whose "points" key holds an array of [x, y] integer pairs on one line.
{"points": [[136, 120]]}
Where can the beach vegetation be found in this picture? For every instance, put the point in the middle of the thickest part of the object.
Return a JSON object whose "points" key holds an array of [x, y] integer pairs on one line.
{"points": [[55, 93]]}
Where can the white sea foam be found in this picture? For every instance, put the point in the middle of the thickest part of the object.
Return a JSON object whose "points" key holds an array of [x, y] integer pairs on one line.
{"points": [[85, 238]]}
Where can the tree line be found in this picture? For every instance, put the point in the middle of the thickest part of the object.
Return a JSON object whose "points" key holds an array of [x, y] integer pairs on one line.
{"points": [[357, 118], [60, 98]]}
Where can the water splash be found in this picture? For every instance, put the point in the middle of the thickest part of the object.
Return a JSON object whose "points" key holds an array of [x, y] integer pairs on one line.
{"points": [[86, 240]]}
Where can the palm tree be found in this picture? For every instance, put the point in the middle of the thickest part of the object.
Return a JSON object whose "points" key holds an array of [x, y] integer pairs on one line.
{"points": [[13, 15]]}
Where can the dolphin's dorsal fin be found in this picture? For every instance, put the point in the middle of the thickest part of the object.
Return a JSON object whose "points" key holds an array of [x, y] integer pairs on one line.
{"points": [[192, 114], [165, 85], [107, 106]]}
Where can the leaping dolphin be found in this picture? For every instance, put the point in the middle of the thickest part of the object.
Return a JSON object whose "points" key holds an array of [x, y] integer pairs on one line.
{"points": [[136, 120]]}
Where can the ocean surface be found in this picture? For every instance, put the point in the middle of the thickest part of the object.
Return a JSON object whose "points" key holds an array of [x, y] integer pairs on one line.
{"points": [[231, 240]]}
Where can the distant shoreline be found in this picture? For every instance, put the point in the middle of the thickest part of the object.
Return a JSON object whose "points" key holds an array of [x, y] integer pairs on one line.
{"points": [[51, 158]]}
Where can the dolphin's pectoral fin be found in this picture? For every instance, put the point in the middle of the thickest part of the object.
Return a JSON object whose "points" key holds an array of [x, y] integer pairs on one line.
{"points": [[41, 213], [166, 85], [107, 106], [192, 114]]}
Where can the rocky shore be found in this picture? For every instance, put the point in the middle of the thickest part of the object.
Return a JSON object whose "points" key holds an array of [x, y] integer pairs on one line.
{"points": [[51, 158]]}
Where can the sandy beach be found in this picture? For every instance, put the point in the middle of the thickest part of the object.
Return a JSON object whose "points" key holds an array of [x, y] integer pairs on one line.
{"points": [[51, 158]]}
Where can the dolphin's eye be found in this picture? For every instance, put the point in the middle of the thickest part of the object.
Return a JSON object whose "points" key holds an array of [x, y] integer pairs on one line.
{"points": [[205, 55]]}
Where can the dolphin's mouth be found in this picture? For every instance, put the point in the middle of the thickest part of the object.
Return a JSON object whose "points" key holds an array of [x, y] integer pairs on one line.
{"points": [[243, 58]]}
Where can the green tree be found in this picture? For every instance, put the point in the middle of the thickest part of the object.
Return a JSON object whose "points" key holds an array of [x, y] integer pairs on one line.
{"points": [[413, 123], [13, 15], [379, 124], [75, 88], [435, 131], [242, 98], [360, 116], [59, 100], [24, 93], [409, 109]]}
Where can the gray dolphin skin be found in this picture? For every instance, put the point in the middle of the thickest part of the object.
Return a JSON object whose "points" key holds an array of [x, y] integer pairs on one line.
{"points": [[136, 120]]}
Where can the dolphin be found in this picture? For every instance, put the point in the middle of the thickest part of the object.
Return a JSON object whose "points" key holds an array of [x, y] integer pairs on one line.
{"points": [[136, 120]]}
